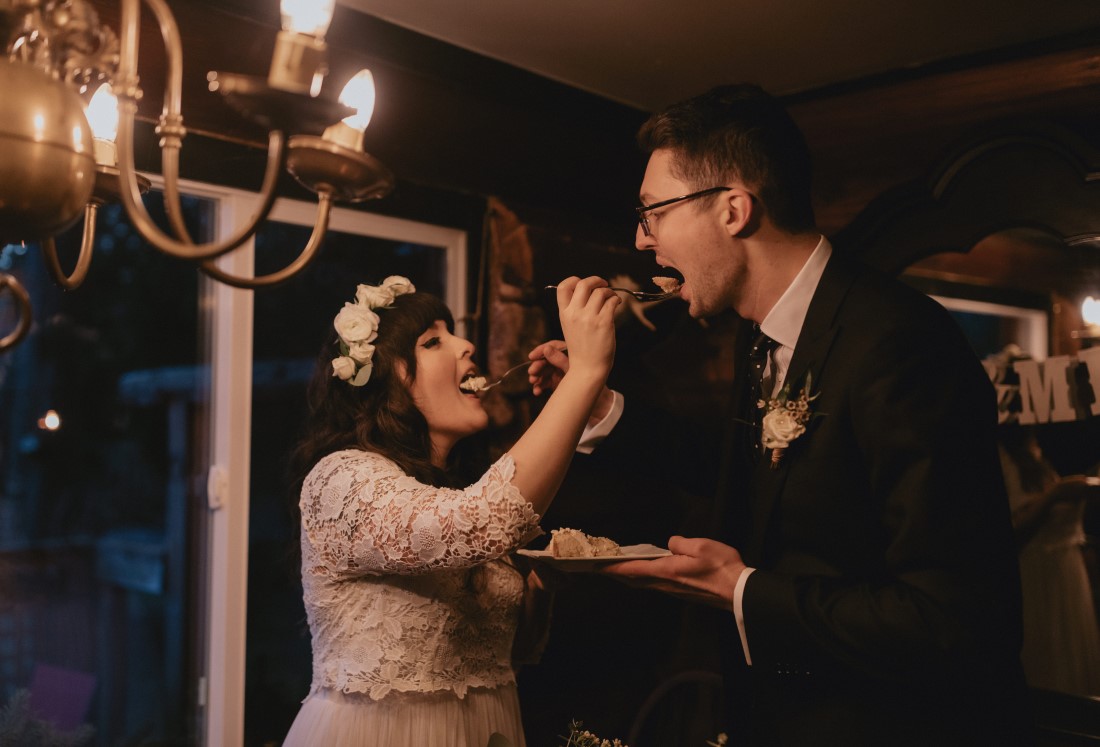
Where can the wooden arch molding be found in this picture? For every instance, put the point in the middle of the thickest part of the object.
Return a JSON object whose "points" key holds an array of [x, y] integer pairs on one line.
{"points": [[1040, 178]]}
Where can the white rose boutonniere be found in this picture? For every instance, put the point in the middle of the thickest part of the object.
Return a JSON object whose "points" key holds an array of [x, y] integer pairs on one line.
{"points": [[785, 419]]}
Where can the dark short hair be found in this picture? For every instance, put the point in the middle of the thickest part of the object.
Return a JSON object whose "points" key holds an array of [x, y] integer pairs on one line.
{"points": [[738, 133]]}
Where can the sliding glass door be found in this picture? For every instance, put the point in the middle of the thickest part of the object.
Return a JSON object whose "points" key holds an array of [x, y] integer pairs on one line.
{"points": [[145, 592], [98, 467]]}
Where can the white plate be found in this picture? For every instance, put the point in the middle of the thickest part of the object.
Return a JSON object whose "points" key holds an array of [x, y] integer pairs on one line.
{"points": [[629, 552]]}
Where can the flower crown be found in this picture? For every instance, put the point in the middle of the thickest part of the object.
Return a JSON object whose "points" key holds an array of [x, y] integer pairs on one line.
{"points": [[357, 326]]}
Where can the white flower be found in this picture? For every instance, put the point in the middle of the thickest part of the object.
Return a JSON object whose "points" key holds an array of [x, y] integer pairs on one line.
{"points": [[781, 426], [343, 367], [356, 323], [374, 296], [399, 285], [360, 352], [357, 326], [785, 419]]}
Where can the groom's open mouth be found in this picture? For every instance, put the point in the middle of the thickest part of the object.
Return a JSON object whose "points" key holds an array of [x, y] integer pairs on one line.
{"points": [[669, 271]]}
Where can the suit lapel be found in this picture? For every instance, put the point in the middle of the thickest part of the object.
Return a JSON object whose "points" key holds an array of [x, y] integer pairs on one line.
{"points": [[814, 343]]}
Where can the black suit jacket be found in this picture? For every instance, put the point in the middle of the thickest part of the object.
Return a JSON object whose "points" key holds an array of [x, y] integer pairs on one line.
{"points": [[885, 606]]}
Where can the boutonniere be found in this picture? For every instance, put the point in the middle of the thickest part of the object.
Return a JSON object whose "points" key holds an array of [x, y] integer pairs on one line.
{"points": [[786, 418]]}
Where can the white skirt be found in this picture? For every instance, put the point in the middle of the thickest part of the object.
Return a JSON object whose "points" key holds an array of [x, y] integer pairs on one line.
{"points": [[329, 718]]}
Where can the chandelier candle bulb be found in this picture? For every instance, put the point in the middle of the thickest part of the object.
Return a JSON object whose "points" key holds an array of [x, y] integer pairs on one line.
{"points": [[358, 93], [310, 17], [102, 113]]}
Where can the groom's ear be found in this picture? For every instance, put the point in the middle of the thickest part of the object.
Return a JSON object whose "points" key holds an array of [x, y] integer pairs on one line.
{"points": [[742, 212]]}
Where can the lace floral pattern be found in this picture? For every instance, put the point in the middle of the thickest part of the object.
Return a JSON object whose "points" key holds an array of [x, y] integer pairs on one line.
{"points": [[407, 586]]}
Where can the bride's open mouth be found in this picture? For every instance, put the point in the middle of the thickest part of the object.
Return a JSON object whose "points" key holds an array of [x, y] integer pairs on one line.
{"points": [[472, 383]]}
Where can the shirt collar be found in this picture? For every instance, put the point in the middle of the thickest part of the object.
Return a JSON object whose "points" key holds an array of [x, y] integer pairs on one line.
{"points": [[784, 322]]}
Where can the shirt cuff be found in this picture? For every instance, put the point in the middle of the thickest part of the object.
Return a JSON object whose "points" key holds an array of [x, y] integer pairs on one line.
{"points": [[593, 435], [738, 612]]}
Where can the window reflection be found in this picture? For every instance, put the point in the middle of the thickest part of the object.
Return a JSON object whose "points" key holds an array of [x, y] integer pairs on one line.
{"points": [[96, 469]]}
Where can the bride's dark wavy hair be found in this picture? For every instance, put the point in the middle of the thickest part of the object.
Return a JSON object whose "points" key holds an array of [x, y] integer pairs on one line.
{"points": [[380, 416]]}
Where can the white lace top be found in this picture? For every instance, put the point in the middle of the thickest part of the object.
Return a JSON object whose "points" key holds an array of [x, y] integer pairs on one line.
{"points": [[407, 586]]}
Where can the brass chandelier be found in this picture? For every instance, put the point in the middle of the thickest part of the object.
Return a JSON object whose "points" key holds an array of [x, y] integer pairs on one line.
{"points": [[70, 92]]}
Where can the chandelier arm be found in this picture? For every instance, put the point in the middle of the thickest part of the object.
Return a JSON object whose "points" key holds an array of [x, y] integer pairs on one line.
{"points": [[23, 302], [173, 49], [171, 121], [83, 261], [172, 204], [171, 131], [320, 228], [135, 208]]}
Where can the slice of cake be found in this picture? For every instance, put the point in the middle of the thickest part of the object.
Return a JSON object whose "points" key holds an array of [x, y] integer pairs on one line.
{"points": [[573, 543]]}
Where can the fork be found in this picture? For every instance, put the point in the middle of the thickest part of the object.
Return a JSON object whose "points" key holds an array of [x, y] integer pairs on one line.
{"points": [[640, 295], [500, 379]]}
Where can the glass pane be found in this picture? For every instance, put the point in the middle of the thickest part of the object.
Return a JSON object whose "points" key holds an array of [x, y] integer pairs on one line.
{"points": [[291, 322], [97, 468]]}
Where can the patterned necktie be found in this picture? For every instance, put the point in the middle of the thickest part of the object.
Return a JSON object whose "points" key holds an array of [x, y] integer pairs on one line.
{"points": [[761, 348]]}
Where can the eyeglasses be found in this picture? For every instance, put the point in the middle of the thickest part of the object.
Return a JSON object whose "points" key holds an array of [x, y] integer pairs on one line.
{"points": [[643, 219]]}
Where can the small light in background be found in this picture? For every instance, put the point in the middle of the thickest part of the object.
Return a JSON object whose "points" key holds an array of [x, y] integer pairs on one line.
{"points": [[51, 421], [1090, 312]]}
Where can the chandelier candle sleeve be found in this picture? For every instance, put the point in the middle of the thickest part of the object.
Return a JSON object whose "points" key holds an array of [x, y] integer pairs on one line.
{"points": [[298, 63]]}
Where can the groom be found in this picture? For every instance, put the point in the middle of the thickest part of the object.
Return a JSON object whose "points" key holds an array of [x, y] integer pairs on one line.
{"points": [[867, 558]]}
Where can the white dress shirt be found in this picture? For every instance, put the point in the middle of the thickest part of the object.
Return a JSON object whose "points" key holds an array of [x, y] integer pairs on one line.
{"points": [[594, 434]]}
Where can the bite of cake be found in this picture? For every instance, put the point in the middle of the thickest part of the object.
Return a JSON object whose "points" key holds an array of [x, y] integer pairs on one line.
{"points": [[667, 285], [474, 384]]}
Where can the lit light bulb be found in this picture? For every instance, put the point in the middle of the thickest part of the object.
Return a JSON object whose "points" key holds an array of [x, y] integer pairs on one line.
{"points": [[51, 421], [358, 93], [102, 113], [310, 17], [1090, 311]]}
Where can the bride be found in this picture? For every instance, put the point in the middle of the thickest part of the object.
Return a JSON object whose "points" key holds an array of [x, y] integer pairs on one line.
{"points": [[411, 596]]}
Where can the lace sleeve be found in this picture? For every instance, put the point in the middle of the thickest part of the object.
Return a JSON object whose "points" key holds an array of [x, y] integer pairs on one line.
{"points": [[361, 514]]}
